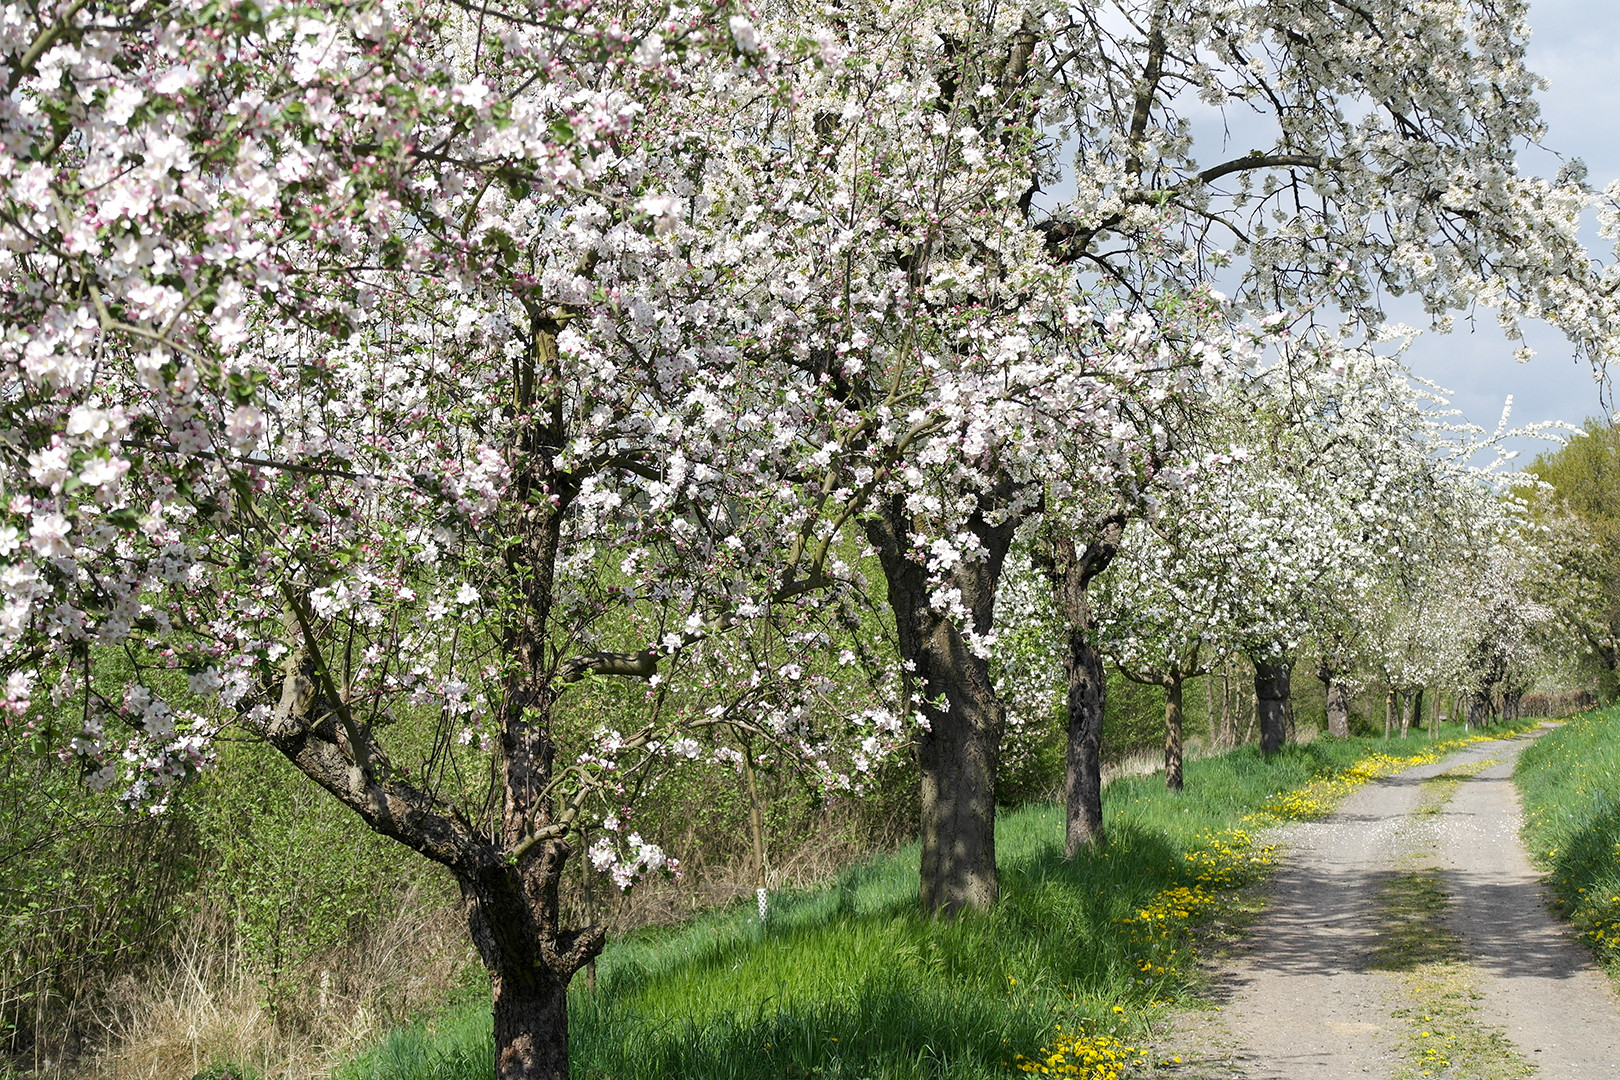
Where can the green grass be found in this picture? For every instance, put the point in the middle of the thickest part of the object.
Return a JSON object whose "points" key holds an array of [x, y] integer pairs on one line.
{"points": [[849, 981], [1570, 781]]}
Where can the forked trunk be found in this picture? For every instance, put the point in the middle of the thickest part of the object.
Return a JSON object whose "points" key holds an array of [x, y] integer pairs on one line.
{"points": [[1172, 733], [509, 875], [1271, 704], [959, 752]]}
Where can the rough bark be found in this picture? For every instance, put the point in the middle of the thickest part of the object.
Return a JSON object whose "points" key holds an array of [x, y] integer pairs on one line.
{"points": [[531, 1024], [512, 919], [1172, 733], [1271, 703], [1338, 702], [1070, 573], [1082, 765], [512, 909], [958, 754], [1406, 713]]}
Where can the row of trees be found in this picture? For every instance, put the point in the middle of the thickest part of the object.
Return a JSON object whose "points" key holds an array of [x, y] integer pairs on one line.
{"points": [[1333, 511], [384, 380]]}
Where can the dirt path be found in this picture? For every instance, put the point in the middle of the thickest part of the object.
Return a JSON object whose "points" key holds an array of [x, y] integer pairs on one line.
{"points": [[1341, 973], [1536, 984]]}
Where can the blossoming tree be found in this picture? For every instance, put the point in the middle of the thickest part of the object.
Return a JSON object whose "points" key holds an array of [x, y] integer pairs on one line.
{"points": [[1296, 488], [363, 389]]}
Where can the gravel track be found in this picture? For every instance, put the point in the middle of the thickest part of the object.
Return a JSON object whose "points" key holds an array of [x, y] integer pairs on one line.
{"points": [[1537, 984], [1297, 1001]]}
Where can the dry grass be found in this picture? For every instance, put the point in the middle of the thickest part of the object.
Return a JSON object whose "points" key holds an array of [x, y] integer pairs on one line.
{"points": [[202, 1005], [706, 884], [1197, 748]]}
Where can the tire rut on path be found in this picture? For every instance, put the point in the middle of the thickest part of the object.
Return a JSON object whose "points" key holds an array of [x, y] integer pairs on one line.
{"points": [[1536, 984], [1298, 1001]]}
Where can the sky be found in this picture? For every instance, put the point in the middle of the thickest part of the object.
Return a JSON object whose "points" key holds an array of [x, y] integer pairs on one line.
{"points": [[1575, 45]]}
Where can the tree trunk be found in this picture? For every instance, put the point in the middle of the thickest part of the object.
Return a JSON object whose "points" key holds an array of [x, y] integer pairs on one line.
{"points": [[1172, 733], [1271, 703], [1069, 573], [958, 760], [1339, 710], [1417, 708], [509, 876], [1229, 731], [512, 919], [1082, 763], [1338, 702], [958, 753], [756, 816], [1389, 711], [1405, 705], [531, 1026], [512, 892]]}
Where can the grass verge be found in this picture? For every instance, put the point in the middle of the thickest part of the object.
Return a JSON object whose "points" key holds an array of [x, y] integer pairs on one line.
{"points": [[1570, 783], [1061, 978]]}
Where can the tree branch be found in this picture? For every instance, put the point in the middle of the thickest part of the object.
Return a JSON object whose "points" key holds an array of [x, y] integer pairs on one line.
{"points": [[1254, 159]]}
